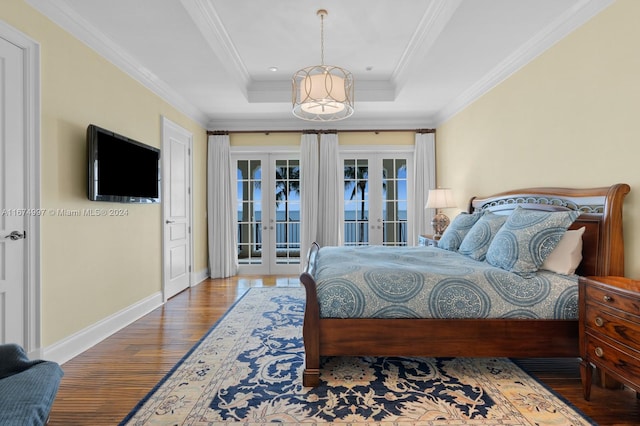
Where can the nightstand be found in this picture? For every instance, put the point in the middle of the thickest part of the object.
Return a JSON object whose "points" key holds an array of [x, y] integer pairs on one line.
{"points": [[428, 240], [610, 330]]}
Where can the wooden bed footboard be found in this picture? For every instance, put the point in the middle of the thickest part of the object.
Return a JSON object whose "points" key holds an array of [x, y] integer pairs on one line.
{"points": [[603, 254]]}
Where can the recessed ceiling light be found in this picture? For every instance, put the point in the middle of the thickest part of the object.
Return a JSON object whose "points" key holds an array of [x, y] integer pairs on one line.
{"points": [[273, 69]]}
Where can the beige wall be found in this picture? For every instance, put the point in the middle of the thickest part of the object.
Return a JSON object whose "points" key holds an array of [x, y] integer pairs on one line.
{"points": [[264, 139], [344, 138], [93, 267], [381, 138], [569, 118]]}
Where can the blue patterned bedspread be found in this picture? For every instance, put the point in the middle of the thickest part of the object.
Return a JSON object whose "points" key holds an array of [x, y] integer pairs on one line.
{"points": [[428, 282]]}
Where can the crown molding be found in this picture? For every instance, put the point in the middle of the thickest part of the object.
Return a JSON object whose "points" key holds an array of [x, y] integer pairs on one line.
{"points": [[207, 20], [569, 21], [433, 22], [65, 17], [214, 32]]}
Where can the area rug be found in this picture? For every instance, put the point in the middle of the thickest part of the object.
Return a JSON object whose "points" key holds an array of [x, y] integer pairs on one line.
{"points": [[247, 371]]}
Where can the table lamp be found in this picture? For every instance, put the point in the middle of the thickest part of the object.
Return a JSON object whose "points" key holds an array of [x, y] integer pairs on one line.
{"points": [[439, 199]]}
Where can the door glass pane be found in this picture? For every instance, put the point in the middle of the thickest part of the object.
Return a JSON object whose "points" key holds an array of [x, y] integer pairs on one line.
{"points": [[249, 208], [287, 211], [394, 202], [356, 202]]}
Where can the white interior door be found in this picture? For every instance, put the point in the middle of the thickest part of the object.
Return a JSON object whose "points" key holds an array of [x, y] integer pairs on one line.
{"points": [[176, 183], [13, 197]]}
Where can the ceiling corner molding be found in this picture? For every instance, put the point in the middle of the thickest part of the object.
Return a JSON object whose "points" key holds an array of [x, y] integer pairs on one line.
{"points": [[433, 22], [216, 36], [576, 16], [64, 16]]}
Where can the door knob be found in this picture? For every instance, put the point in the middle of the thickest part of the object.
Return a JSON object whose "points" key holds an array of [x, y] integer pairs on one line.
{"points": [[169, 221], [16, 235]]}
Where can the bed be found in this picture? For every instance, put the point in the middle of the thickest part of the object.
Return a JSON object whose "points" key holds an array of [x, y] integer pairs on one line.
{"points": [[397, 332]]}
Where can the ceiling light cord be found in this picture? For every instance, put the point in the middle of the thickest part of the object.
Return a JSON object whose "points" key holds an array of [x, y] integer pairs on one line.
{"points": [[322, 13], [322, 92]]}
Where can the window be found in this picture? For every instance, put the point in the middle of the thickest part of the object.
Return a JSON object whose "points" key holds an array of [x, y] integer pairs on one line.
{"points": [[376, 198]]}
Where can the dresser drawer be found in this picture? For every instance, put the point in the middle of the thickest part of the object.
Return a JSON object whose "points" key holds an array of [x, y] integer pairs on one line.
{"points": [[605, 296], [609, 323], [621, 361], [617, 325]]}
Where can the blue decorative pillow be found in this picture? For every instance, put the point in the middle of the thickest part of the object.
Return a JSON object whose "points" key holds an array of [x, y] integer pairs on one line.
{"points": [[527, 238], [476, 242], [457, 229]]}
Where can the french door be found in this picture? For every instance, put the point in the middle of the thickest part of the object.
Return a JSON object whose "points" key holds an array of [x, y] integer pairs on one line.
{"points": [[377, 194], [268, 213]]}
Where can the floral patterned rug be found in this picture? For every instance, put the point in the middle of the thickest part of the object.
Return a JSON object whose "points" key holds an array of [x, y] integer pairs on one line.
{"points": [[247, 371]]}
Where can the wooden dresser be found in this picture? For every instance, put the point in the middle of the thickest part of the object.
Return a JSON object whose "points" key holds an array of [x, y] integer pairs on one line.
{"points": [[610, 330]]}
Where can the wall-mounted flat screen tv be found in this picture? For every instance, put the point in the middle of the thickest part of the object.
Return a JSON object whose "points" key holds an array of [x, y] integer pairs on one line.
{"points": [[121, 169]]}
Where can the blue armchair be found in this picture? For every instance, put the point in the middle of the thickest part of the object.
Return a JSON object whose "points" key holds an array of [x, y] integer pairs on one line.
{"points": [[27, 387]]}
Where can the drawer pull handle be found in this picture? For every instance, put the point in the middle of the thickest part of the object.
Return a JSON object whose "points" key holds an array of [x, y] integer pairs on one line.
{"points": [[608, 299], [599, 352], [599, 321]]}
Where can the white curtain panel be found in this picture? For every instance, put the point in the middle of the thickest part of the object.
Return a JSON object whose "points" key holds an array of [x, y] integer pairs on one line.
{"points": [[425, 179], [309, 170], [330, 192], [221, 212]]}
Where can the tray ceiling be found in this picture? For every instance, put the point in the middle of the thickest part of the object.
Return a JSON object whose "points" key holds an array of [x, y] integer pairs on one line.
{"points": [[415, 62]]}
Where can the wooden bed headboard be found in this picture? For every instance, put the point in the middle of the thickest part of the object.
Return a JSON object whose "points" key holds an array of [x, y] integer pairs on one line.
{"points": [[603, 243]]}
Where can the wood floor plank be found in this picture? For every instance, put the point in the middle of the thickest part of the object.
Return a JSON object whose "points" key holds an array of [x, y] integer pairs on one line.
{"points": [[104, 383]]}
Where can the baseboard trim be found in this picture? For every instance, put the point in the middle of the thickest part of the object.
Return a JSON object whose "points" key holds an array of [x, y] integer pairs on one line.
{"points": [[79, 342], [200, 276]]}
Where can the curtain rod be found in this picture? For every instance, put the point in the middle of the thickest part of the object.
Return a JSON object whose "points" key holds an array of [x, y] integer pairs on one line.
{"points": [[311, 131]]}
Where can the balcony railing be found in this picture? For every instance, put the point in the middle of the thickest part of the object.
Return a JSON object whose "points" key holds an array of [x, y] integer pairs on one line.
{"points": [[356, 232], [288, 234]]}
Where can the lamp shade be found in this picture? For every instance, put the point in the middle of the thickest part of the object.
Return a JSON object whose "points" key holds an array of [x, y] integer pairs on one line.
{"points": [[440, 199], [323, 93]]}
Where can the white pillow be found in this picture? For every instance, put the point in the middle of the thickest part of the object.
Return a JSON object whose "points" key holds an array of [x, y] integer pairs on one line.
{"points": [[565, 258]]}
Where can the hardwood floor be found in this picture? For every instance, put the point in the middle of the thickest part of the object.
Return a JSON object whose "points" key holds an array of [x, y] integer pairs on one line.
{"points": [[103, 384]]}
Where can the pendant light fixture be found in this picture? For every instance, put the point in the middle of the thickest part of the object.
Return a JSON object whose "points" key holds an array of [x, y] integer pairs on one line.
{"points": [[322, 92]]}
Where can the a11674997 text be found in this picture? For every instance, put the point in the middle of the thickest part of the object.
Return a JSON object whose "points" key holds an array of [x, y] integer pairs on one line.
{"points": [[112, 212]]}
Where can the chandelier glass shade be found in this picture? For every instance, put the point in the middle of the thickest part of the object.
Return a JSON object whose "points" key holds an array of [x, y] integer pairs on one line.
{"points": [[322, 92]]}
